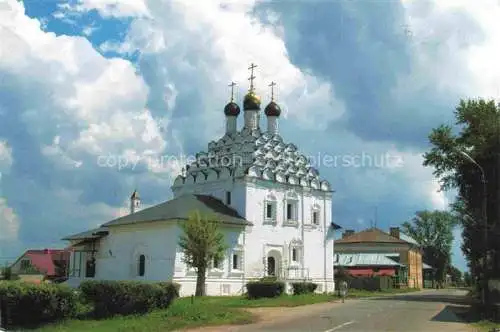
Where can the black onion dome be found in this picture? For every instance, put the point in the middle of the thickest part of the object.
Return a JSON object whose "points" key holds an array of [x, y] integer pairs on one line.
{"points": [[272, 109], [232, 109], [251, 101]]}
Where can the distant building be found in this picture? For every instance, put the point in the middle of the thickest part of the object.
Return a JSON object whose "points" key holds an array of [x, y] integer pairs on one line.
{"points": [[375, 252], [38, 265]]}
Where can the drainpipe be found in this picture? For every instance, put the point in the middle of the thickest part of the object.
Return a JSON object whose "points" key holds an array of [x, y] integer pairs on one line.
{"points": [[325, 230], [302, 234]]}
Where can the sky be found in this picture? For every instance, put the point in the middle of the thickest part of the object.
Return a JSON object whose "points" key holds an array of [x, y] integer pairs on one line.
{"points": [[99, 97]]}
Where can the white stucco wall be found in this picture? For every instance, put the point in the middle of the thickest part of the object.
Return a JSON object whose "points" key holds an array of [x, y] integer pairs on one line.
{"points": [[118, 252]]}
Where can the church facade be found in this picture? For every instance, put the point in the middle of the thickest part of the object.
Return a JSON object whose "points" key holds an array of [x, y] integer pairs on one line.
{"points": [[274, 207]]}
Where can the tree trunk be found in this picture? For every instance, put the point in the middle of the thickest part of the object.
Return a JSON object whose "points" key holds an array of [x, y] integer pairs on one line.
{"points": [[200, 282]]}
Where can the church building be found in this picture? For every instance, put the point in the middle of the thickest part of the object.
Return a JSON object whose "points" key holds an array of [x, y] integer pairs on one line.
{"points": [[275, 212]]}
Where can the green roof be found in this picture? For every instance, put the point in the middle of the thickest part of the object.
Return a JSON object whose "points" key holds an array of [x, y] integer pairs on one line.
{"points": [[180, 208], [176, 209], [364, 259]]}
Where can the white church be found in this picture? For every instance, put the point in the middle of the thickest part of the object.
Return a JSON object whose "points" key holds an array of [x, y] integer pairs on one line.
{"points": [[274, 208]]}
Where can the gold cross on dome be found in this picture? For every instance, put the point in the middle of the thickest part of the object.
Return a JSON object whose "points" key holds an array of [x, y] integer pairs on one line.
{"points": [[252, 77]]}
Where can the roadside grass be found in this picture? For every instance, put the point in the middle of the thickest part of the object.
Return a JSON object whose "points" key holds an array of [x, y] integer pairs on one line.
{"points": [[485, 325], [206, 311]]}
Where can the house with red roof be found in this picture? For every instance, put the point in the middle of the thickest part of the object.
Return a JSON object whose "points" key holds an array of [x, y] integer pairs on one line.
{"points": [[39, 265]]}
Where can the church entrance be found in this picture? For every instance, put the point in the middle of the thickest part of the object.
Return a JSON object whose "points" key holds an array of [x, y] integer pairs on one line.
{"points": [[273, 263], [271, 266]]}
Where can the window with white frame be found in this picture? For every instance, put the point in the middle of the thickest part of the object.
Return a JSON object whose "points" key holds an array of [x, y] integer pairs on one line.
{"points": [[270, 207], [237, 260], [292, 207], [316, 216], [295, 252], [217, 263], [76, 264]]}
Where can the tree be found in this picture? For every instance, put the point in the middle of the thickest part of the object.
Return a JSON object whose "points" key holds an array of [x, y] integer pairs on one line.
{"points": [[456, 274], [433, 230], [477, 132], [202, 242], [467, 279]]}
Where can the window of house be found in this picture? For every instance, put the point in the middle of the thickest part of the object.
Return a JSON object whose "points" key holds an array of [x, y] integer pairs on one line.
{"points": [[76, 264], [217, 264], [270, 208], [294, 255], [315, 217], [269, 211], [236, 262], [90, 268], [291, 210], [142, 265], [228, 197]]}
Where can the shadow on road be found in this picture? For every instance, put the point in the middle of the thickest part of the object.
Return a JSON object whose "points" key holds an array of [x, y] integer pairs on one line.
{"points": [[450, 314], [442, 298]]}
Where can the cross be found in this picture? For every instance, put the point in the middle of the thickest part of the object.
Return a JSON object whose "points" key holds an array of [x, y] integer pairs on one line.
{"points": [[272, 84], [251, 78], [407, 30], [232, 85]]}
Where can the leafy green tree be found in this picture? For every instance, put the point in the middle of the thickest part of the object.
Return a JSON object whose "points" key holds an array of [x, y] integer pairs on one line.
{"points": [[477, 132], [433, 230], [456, 274], [467, 279], [202, 242]]}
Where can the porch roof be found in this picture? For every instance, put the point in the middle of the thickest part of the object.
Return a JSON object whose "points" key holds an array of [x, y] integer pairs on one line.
{"points": [[362, 259]]}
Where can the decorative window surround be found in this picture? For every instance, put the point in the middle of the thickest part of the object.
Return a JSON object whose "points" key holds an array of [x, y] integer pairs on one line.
{"points": [[236, 261], [216, 267], [291, 209], [316, 215], [296, 251], [270, 210]]}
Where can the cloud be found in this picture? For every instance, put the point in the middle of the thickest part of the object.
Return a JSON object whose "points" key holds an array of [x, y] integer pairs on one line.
{"points": [[90, 117], [5, 157]]}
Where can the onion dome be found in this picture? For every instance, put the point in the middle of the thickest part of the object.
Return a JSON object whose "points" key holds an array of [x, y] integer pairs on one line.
{"points": [[135, 195], [231, 109], [272, 109], [251, 101]]}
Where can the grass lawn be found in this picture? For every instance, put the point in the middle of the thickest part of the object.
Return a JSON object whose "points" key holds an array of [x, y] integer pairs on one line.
{"points": [[485, 325], [210, 310]]}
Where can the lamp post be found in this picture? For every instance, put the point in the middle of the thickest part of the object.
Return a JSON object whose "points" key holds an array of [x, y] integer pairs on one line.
{"points": [[484, 214]]}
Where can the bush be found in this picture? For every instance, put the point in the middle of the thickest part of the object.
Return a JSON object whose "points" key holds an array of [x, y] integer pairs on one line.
{"points": [[304, 287], [127, 297], [28, 304], [266, 287]]}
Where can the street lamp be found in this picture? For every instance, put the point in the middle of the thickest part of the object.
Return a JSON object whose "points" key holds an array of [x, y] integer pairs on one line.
{"points": [[484, 214]]}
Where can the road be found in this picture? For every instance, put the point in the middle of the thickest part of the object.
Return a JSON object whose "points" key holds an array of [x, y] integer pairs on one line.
{"points": [[422, 311]]}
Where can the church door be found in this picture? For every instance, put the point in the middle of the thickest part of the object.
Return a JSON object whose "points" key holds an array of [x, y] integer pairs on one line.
{"points": [[271, 266]]}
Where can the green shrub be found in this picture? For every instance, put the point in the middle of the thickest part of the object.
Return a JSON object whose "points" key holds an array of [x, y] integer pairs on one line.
{"points": [[28, 304], [265, 288], [127, 297], [303, 287]]}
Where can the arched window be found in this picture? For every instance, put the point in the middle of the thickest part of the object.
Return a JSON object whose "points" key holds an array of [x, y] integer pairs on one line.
{"points": [[142, 265]]}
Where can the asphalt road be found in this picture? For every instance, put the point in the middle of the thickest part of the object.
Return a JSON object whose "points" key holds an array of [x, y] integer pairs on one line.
{"points": [[423, 311]]}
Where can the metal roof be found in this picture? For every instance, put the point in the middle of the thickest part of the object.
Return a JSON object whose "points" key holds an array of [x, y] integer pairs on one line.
{"points": [[408, 238], [370, 259], [180, 208]]}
